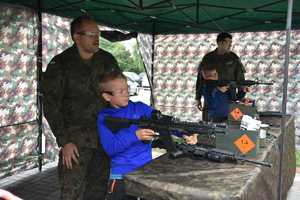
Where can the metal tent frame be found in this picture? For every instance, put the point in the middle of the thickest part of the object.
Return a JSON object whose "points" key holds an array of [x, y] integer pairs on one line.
{"points": [[157, 23]]}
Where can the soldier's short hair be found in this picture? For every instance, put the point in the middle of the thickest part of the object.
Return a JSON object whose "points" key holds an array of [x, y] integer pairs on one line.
{"points": [[77, 23], [222, 36]]}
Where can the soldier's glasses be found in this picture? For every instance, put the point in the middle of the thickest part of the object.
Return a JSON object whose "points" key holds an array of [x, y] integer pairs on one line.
{"points": [[89, 34]]}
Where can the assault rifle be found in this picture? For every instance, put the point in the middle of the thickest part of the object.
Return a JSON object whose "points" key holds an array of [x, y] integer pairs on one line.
{"points": [[234, 84], [165, 125], [212, 154]]}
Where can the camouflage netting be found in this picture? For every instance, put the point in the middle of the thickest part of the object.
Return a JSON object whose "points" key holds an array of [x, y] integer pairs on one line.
{"points": [[176, 60], [18, 43], [187, 179]]}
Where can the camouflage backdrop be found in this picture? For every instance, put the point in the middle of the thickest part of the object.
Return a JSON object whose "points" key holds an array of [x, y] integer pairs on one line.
{"points": [[177, 58], [18, 75], [174, 75]]}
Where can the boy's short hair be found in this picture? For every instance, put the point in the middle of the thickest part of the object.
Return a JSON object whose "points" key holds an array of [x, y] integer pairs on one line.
{"points": [[110, 76], [222, 36]]}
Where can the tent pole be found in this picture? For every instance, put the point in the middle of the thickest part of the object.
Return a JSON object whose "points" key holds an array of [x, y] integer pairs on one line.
{"points": [[152, 63], [284, 99], [39, 91], [197, 12]]}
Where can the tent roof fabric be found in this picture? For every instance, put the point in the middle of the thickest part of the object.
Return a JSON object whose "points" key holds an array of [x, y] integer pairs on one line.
{"points": [[176, 16]]}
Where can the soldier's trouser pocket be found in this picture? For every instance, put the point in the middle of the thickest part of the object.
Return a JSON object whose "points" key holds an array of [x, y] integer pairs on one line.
{"points": [[88, 179]]}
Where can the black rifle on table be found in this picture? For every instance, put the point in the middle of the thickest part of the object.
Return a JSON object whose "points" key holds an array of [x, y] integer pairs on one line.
{"points": [[165, 125], [234, 84], [214, 154]]}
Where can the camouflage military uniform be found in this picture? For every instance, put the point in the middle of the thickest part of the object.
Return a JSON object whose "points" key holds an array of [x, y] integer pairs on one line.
{"points": [[230, 67], [71, 103]]}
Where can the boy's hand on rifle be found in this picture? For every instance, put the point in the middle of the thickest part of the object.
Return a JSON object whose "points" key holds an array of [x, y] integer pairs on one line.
{"points": [[246, 89], [192, 139], [145, 134]]}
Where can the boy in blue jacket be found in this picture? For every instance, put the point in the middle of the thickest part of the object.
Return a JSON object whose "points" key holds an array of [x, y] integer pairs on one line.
{"points": [[127, 147], [218, 98]]}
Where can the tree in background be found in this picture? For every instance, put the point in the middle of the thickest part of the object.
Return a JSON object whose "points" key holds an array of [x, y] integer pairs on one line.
{"points": [[127, 61]]}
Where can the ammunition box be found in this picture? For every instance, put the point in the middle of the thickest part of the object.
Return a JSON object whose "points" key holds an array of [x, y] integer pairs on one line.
{"points": [[236, 112], [241, 142]]}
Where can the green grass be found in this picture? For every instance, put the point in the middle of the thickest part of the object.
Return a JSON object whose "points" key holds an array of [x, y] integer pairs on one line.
{"points": [[298, 158]]}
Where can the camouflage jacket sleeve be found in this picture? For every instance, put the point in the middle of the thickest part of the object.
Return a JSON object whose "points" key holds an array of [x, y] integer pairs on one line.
{"points": [[199, 82], [198, 85], [240, 69], [53, 83]]}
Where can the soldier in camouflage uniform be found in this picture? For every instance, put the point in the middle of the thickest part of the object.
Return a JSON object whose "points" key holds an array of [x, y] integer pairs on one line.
{"points": [[229, 67], [71, 104]]}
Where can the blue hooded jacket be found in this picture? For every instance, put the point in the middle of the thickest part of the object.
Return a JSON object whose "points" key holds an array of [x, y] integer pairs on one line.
{"points": [[218, 102], [126, 151]]}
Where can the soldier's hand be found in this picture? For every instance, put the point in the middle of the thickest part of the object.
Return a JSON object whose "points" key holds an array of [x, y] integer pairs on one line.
{"points": [[70, 154], [199, 105], [246, 89], [145, 134], [223, 88], [247, 101]]}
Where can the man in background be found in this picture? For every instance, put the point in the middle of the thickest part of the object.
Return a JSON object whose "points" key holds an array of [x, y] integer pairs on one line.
{"points": [[229, 67]]}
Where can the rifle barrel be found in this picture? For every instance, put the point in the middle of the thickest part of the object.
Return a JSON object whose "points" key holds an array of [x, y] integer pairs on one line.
{"points": [[250, 82], [265, 83], [235, 83], [254, 162]]}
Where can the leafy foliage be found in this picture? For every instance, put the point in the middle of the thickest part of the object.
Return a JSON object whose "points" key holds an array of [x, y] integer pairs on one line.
{"points": [[127, 61], [298, 158]]}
